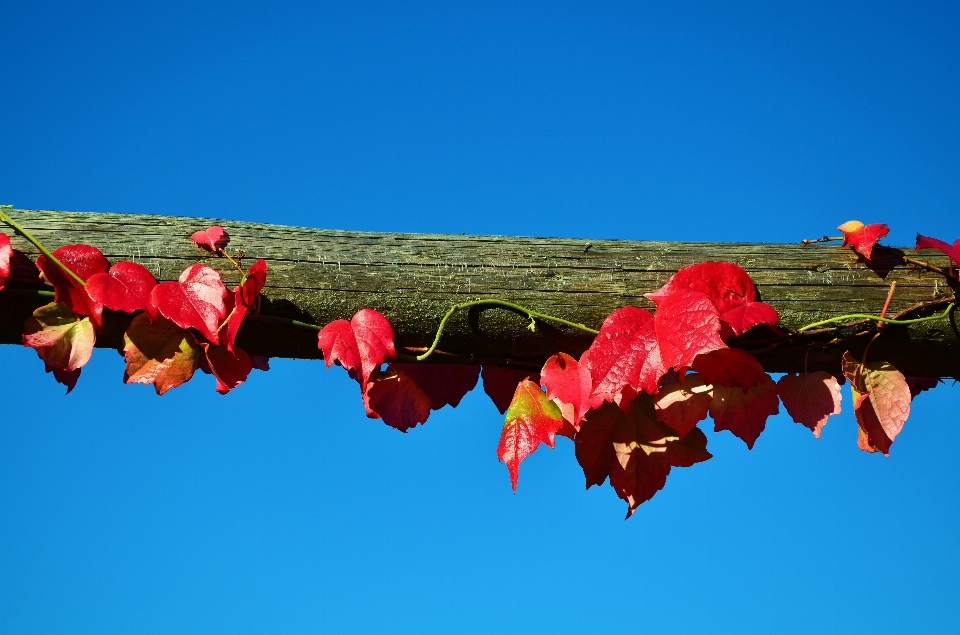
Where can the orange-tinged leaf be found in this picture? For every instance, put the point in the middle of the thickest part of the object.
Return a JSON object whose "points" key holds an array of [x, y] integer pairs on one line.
{"points": [[158, 353], [881, 397], [862, 237], [530, 420], [810, 398], [62, 339]]}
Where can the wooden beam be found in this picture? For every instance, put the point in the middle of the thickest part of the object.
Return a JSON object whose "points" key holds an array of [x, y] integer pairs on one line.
{"points": [[318, 275]]}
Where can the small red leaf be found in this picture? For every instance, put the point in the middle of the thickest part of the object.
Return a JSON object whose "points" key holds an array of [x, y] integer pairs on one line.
{"points": [[211, 239], [745, 317], [569, 385], [195, 301], [62, 339], [244, 298], [862, 237], [230, 368], [744, 396], [952, 251], [688, 325], [126, 287], [531, 419], [810, 398], [444, 384], [85, 261], [689, 450], [500, 384], [66, 377], [6, 252], [397, 399], [625, 355], [360, 345], [593, 445], [158, 353], [727, 284], [682, 405]]}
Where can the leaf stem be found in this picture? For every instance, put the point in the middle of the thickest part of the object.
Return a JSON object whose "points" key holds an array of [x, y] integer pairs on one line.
{"points": [[877, 318], [825, 239], [531, 314], [36, 243]]}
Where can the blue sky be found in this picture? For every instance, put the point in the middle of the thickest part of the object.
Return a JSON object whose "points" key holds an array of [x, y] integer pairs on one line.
{"points": [[281, 508]]}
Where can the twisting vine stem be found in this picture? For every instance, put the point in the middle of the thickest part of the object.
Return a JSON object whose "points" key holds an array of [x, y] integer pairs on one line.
{"points": [[877, 318], [36, 243]]}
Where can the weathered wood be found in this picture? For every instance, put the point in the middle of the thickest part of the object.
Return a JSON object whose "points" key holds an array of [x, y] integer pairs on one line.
{"points": [[319, 275]]}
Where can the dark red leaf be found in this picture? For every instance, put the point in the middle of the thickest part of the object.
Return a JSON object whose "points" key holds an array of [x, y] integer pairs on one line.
{"points": [[500, 384], [6, 251], [687, 325], [260, 362], [689, 450], [952, 251], [159, 352], [444, 384], [730, 367], [593, 444], [810, 398], [61, 338], [862, 237], [360, 345], [195, 301], [727, 284], [230, 368], [530, 420], [244, 298], [211, 239], [919, 384], [744, 396], [684, 404], [68, 378], [397, 399], [85, 261], [127, 287], [569, 385], [625, 355]]}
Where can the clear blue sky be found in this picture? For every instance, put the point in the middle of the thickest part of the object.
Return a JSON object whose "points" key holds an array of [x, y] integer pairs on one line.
{"points": [[282, 509]]}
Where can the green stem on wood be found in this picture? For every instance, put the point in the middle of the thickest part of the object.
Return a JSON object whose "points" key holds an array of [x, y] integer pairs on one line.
{"points": [[877, 318], [533, 315], [36, 243]]}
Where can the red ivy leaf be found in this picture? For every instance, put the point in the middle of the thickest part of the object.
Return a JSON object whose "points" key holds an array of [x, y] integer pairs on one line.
{"points": [[727, 284], [500, 384], [62, 339], [531, 419], [360, 345], [85, 261], [743, 394], [684, 404], [862, 237], [569, 385], [688, 325], [881, 401], [6, 251], [743, 318], [625, 355], [443, 384], [244, 298], [195, 301], [158, 353], [593, 446], [810, 398], [397, 399], [68, 378], [211, 239], [230, 368], [126, 287], [952, 251], [689, 450]]}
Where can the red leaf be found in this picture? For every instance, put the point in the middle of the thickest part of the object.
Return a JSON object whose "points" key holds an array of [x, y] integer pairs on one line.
{"points": [[66, 377], [689, 450], [126, 287], [196, 301], [360, 345], [500, 384], [810, 398], [397, 399], [443, 384], [569, 385], [230, 368], [244, 298], [687, 324], [743, 394], [158, 353], [952, 251], [727, 284], [85, 261], [211, 239], [531, 419], [862, 237], [684, 404], [6, 251], [881, 401], [593, 445], [625, 354], [62, 339], [745, 317]]}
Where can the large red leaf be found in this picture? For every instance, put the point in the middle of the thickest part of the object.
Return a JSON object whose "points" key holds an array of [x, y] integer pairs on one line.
{"points": [[727, 284], [952, 251], [744, 396], [687, 325], [244, 298], [230, 368], [810, 398], [625, 355], [683, 404], [195, 301], [211, 239], [6, 251], [396, 398], [159, 353], [570, 386], [500, 384], [85, 261], [881, 401], [127, 287], [61, 338], [862, 237], [360, 345], [531, 419], [443, 384]]}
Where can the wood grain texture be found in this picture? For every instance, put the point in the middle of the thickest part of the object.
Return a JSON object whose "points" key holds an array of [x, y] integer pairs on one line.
{"points": [[319, 275]]}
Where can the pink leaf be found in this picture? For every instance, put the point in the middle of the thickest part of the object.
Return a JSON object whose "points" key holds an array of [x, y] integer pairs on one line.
{"points": [[810, 398], [952, 251], [127, 287], [244, 298], [6, 251], [569, 385], [211, 239], [360, 345], [195, 301]]}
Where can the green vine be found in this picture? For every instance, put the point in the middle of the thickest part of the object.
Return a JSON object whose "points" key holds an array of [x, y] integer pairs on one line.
{"points": [[36, 243], [877, 318]]}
